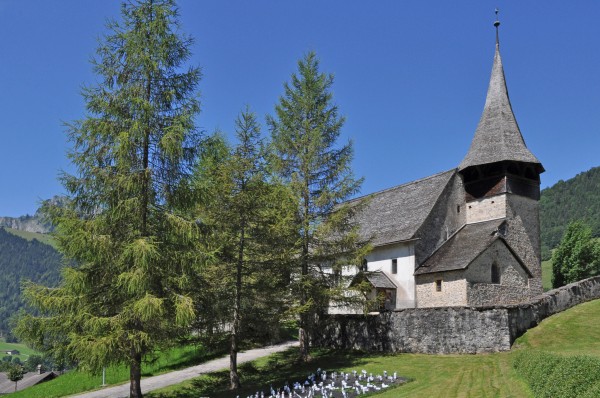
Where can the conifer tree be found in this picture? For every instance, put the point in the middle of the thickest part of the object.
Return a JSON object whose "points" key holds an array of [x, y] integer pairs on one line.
{"points": [[250, 216], [305, 131], [132, 154]]}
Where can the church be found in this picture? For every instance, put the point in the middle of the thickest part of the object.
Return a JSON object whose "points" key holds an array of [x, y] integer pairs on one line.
{"points": [[469, 236]]}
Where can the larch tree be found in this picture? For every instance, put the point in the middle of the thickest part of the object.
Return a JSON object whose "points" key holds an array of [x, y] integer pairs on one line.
{"points": [[305, 130], [133, 154], [250, 216]]}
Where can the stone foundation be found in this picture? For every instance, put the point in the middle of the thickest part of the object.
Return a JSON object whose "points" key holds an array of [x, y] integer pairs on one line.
{"points": [[449, 330]]}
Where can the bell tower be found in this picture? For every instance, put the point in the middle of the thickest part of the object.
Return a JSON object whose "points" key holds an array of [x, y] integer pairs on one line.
{"points": [[501, 177]]}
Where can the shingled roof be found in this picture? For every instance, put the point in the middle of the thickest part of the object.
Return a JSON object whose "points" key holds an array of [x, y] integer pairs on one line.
{"points": [[377, 279], [395, 214], [498, 137], [462, 248]]}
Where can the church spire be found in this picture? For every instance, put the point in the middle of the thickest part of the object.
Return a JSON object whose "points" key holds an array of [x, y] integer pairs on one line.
{"points": [[498, 137]]}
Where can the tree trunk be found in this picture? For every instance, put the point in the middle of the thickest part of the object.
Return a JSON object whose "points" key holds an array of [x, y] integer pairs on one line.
{"points": [[304, 316], [233, 373], [135, 376], [304, 342]]}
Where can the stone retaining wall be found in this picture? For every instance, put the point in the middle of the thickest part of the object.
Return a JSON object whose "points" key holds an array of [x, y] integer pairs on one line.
{"points": [[446, 330]]}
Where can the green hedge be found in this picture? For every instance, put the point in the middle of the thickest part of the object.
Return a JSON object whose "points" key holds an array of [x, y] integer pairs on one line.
{"points": [[556, 376]]}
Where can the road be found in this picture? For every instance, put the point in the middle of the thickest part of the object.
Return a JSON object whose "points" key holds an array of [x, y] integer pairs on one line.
{"points": [[178, 376]]}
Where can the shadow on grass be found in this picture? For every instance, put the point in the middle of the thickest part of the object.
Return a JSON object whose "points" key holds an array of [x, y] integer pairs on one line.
{"points": [[276, 370], [183, 360]]}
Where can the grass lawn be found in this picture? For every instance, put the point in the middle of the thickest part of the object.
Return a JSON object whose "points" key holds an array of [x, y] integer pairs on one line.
{"points": [[75, 382], [571, 332], [23, 349], [44, 238], [432, 375], [547, 275]]}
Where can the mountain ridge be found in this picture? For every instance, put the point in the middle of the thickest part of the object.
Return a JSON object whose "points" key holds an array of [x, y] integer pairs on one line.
{"points": [[36, 223]]}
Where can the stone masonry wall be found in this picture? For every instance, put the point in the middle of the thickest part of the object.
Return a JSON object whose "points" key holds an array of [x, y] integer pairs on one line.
{"points": [[514, 281], [450, 329], [447, 216], [418, 330], [453, 293], [526, 315], [485, 209], [523, 236]]}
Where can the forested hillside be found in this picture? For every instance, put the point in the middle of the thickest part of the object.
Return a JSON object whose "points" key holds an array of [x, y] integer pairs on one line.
{"points": [[20, 260], [575, 199]]}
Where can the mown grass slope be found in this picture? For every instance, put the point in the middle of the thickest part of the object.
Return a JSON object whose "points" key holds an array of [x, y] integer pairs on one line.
{"points": [[25, 351], [575, 331], [74, 382], [547, 275], [44, 238], [572, 332]]}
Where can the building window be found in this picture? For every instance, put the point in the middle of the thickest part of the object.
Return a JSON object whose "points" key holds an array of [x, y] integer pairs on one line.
{"points": [[363, 266], [438, 285], [458, 208], [495, 273], [395, 266]]}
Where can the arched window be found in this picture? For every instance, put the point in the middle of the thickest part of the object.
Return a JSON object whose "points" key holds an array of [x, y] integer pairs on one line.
{"points": [[495, 273]]}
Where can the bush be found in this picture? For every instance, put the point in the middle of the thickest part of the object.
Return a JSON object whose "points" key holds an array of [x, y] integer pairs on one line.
{"points": [[555, 376]]}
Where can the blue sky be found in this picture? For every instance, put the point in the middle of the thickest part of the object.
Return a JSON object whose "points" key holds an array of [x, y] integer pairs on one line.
{"points": [[410, 77]]}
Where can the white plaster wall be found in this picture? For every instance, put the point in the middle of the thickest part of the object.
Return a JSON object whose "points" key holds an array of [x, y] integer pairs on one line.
{"points": [[486, 209], [380, 259]]}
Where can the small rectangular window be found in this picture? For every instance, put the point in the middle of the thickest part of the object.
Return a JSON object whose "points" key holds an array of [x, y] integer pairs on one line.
{"points": [[395, 266], [438, 285], [495, 274]]}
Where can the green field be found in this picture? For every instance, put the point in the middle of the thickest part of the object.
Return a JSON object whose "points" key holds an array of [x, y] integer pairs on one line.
{"points": [[571, 332], [22, 348], [44, 238], [74, 382], [547, 275]]}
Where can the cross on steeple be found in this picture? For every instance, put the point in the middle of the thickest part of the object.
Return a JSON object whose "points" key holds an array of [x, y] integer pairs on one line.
{"points": [[497, 24]]}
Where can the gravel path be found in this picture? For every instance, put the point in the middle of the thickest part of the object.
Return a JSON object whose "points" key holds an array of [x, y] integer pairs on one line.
{"points": [[167, 379]]}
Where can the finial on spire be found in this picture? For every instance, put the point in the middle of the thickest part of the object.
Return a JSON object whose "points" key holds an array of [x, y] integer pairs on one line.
{"points": [[496, 24]]}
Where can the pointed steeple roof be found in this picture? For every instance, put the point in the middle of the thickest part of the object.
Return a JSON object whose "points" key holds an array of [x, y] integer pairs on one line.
{"points": [[498, 137]]}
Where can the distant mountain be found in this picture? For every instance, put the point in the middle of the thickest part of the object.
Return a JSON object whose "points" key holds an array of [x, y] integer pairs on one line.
{"points": [[36, 223], [575, 199], [22, 259], [26, 223]]}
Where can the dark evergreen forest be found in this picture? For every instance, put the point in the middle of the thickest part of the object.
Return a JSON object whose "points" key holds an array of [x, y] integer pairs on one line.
{"points": [[21, 260], [575, 199]]}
